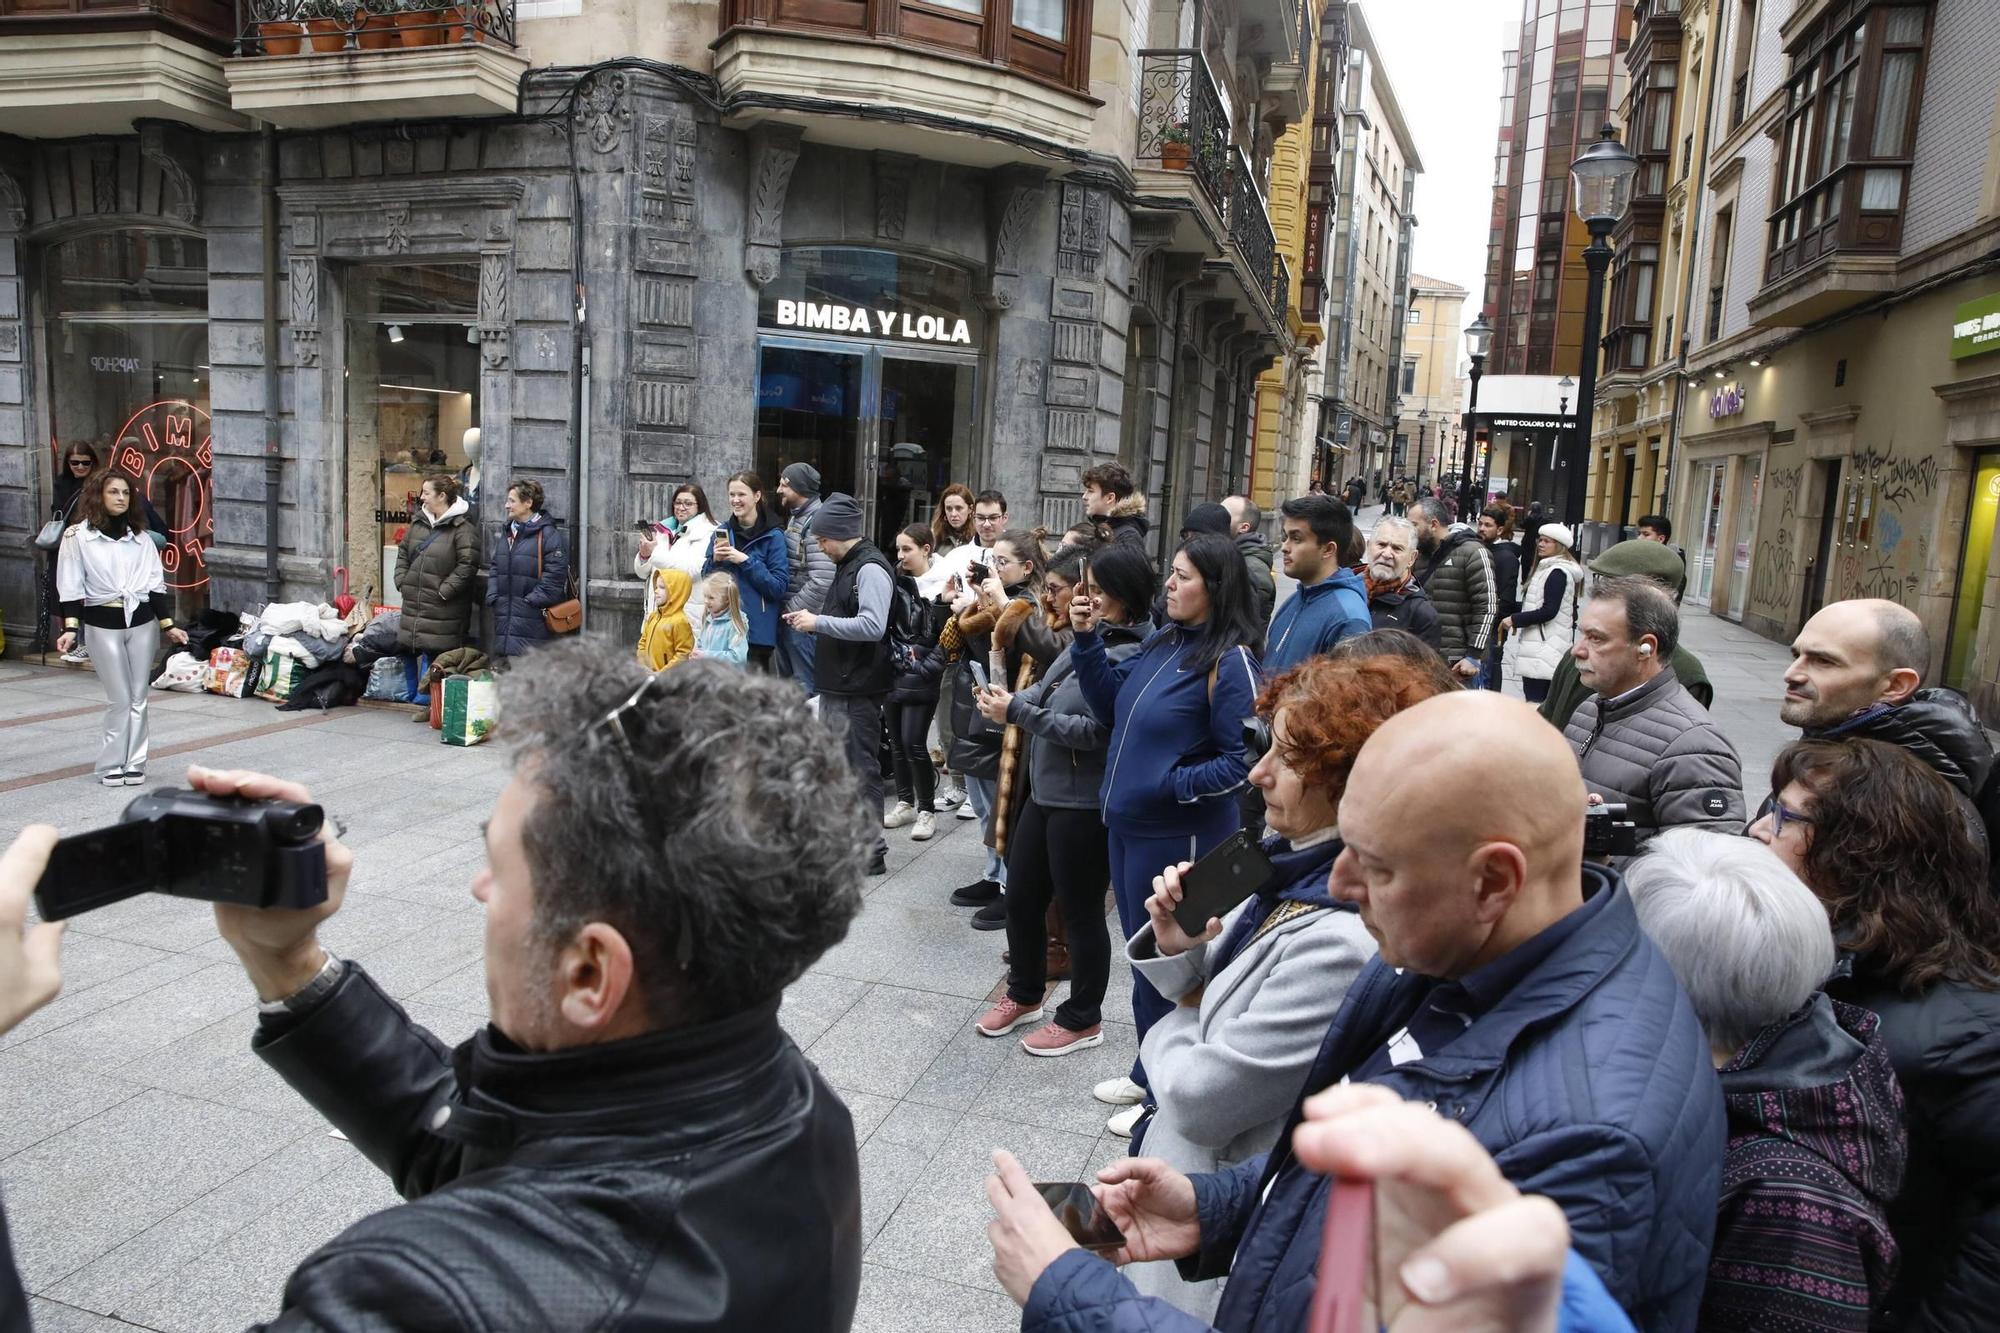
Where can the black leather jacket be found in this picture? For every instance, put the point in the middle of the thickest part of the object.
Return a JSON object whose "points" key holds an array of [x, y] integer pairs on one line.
{"points": [[701, 1178], [1939, 727]]}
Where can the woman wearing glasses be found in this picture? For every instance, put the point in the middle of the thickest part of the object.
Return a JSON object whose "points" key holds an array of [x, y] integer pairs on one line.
{"points": [[109, 578], [1880, 839], [79, 461]]}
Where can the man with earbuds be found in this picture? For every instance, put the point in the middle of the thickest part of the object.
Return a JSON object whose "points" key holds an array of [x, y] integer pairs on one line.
{"points": [[1641, 738]]}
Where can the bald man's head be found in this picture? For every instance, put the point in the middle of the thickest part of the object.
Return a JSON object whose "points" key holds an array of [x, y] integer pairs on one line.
{"points": [[1449, 868], [1851, 656]]}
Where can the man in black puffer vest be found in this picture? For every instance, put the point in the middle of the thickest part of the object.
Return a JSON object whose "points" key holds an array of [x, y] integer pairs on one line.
{"points": [[851, 652]]}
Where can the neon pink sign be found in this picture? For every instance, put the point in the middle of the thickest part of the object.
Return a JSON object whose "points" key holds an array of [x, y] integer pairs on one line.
{"points": [[166, 446]]}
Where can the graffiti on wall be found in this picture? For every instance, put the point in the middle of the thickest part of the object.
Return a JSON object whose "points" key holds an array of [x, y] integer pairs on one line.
{"points": [[1777, 561], [1886, 495]]}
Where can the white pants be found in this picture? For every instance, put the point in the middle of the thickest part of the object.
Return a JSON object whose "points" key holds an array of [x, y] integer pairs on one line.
{"points": [[124, 662]]}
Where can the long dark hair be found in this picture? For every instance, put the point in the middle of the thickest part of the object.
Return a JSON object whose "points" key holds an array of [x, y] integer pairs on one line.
{"points": [[1232, 605], [943, 535], [1889, 854], [1124, 572], [700, 499], [97, 516]]}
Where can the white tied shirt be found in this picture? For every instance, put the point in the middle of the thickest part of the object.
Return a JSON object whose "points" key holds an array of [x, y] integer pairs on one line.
{"points": [[98, 570]]}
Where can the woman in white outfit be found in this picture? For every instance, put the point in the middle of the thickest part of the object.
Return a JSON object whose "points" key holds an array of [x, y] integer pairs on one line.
{"points": [[1541, 632], [681, 543], [108, 576]]}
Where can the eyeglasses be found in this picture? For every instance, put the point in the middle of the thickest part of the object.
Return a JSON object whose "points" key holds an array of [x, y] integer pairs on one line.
{"points": [[79, 462], [1781, 815]]}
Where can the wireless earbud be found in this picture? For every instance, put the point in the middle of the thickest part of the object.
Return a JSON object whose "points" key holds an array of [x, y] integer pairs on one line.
{"points": [[1645, 650]]}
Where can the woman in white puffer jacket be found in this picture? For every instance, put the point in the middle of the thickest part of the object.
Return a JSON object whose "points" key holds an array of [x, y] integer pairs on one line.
{"points": [[682, 544], [1543, 630]]}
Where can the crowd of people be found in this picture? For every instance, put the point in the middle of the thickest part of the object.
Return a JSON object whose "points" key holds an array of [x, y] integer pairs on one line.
{"points": [[1739, 1070]]}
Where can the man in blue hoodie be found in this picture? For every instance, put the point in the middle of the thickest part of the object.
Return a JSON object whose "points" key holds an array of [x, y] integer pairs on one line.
{"points": [[1332, 601]]}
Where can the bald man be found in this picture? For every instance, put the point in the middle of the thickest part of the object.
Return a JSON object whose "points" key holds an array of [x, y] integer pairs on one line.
{"points": [[1858, 671], [1514, 993]]}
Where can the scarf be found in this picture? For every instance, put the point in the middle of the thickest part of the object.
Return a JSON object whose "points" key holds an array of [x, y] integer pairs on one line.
{"points": [[1376, 589], [1301, 880]]}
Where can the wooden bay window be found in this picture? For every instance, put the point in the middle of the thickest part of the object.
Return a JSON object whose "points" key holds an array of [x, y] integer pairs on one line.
{"points": [[1046, 40]]}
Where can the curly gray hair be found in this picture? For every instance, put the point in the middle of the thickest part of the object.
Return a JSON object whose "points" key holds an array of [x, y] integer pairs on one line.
{"points": [[709, 843]]}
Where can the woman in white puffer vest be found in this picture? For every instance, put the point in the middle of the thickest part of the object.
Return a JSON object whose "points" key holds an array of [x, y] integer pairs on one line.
{"points": [[1541, 632]]}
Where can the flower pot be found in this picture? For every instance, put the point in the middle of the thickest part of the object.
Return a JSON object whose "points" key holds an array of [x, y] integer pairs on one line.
{"points": [[280, 39], [1175, 156], [375, 32], [465, 18], [326, 35], [420, 27]]}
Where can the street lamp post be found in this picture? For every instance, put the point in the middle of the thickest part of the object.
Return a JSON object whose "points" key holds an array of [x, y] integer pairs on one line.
{"points": [[1478, 341], [1423, 425], [1602, 178]]}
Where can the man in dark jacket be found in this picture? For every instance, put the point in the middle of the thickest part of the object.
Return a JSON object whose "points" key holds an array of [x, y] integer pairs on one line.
{"points": [[1858, 671], [852, 630], [1514, 992], [1395, 601], [1110, 498], [622, 1142], [1458, 575], [1626, 559], [810, 570], [1496, 534], [1245, 525]]}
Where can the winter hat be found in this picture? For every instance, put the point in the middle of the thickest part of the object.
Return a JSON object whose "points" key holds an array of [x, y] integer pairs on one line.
{"points": [[1647, 559], [1558, 534], [803, 478], [839, 516], [1207, 517]]}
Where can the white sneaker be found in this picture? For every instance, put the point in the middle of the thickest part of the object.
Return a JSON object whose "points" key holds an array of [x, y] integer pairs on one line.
{"points": [[1120, 1091], [115, 778], [926, 827], [967, 812], [78, 654], [949, 796], [1122, 1123], [903, 814]]}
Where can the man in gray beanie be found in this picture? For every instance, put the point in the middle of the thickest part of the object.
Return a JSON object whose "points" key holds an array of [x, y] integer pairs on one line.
{"points": [[851, 634], [811, 570]]}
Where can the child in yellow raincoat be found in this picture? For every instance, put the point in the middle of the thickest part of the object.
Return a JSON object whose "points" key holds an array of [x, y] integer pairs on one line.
{"points": [[667, 637]]}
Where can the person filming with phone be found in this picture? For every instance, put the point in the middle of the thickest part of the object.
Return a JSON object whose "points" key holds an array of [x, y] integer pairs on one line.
{"points": [[1514, 993]]}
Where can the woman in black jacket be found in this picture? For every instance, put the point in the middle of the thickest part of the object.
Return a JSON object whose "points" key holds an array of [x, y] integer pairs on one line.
{"points": [[435, 567], [79, 461], [1881, 839], [913, 695], [529, 571]]}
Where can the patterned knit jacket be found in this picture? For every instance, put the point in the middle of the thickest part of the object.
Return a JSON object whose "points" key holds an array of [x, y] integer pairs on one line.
{"points": [[1816, 1152]]}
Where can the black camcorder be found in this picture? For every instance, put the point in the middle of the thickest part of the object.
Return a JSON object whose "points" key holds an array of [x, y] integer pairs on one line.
{"points": [[191, 845], [1606, 831]]}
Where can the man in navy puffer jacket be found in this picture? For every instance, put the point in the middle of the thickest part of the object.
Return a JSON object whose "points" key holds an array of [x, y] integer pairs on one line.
{"points": [[1514, 992]]}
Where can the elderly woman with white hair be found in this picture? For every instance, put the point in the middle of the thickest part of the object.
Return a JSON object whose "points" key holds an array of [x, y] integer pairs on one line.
{"points": [[1816, 1140]]}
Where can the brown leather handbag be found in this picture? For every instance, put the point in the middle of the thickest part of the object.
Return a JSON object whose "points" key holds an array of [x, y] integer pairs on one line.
{"points": [[566, 616]]}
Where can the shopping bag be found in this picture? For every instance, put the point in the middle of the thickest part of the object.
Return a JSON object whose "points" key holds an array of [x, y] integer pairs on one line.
{"points": [[471, 707], [182, 673], [393, 680], [231, 672], [280, 677]]}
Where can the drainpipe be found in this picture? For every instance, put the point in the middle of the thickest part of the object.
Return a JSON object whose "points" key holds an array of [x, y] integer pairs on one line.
{"points": [[1699, 171], [273, 429]]}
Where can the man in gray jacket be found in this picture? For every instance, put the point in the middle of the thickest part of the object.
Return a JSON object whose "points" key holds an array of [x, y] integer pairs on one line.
{"points": [[811, 570], [1641, 738]]}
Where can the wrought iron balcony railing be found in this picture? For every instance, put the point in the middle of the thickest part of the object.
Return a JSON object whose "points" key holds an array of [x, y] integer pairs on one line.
{"points": [[292, 27], [1182, 126], [1250, 223], [1281, 289]]}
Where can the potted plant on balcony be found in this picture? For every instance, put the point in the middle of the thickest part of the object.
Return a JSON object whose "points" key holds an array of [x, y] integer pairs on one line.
{"points": [[326, 25], [280, 36], [1175, 152], [375, 25], [419, 22]]}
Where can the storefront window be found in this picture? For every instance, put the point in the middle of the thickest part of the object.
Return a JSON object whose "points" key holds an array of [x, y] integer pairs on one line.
{"points": [[1982, 520], [127, 316]]}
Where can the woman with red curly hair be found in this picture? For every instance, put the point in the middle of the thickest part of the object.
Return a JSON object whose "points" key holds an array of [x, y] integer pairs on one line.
{"points": [[1258, 988]]}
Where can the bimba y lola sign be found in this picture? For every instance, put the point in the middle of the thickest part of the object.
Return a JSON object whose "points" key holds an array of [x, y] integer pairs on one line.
{"points": [[878, 322]]}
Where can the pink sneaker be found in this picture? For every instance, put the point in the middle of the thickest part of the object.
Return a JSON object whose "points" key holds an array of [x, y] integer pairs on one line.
{"points": [[1005, 1016], [1055, 1039]]}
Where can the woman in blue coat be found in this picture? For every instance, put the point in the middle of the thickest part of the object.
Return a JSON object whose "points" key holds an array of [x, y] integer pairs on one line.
{"points": [[750, 548], [1176, 757], [529, 572]]}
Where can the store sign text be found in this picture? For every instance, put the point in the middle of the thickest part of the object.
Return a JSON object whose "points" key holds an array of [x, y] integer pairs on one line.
{"points": [[1725, 402], [124, 365], [166, 446], [1975, 328], [860, 320]]}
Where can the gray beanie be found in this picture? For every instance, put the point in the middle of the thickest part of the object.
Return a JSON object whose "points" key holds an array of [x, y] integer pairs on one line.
{"points": [[838, 519], [801, 477]]}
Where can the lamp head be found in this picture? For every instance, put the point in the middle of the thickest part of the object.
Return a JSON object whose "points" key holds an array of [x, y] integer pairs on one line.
{"points": [[1602, 177], [1478, 339]]}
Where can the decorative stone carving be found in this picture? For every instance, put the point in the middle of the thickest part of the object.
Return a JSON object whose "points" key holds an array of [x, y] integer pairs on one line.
{"points": [[602, 110], [397, 239], [10, 342], [1080, 231], [774, 151], [305, 309], [684, 155], [493, 312], [1013, 197], [892, 194], [104, 178], [493, 348], [179, 201], [659, 147], [13, 204]]}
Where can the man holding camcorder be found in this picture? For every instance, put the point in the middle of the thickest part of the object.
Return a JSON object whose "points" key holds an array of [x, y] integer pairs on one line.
{"points": [[632, 1141]]}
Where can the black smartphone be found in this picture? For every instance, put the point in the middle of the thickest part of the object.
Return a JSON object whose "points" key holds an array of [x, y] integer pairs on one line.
{"points": [[1082, 1215], [1225, 877], [977, 572]]}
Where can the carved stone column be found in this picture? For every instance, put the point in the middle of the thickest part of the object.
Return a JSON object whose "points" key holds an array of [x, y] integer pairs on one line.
{"points": [[774, 151]]}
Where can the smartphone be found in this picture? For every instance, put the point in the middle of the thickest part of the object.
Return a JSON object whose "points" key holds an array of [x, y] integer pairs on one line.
{"points": [[978, 572], [1077, 1208], [978, 671], [1225, 877], [646, 527], [1344, 1295]]}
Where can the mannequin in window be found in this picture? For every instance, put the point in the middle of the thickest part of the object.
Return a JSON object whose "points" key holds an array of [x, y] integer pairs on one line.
{"points": [[468, 476]]}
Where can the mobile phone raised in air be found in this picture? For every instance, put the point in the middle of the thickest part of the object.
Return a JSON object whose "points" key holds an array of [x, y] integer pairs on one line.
{"points": [[1220, 880], [977, 572], [1344, 1296], [978, 671], [1077, 1208]]}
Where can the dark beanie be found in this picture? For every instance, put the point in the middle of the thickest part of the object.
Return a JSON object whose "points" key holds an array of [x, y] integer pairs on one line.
{"points": [[838, 518], [801, 477], [1207, 517]]}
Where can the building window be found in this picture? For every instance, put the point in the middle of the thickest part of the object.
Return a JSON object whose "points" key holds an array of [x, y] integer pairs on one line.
{"points": [[1849, 130], [1047, 40], [1409, 385], [1416, 315], [1718, 268]]}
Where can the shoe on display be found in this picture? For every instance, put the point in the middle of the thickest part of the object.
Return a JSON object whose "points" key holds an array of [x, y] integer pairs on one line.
{"points": [[1006, 1015], [902, 815], [1122, 1123], [993, 916], [1055, 1039], [925, 827], [1120, 1091], [976, 894]]}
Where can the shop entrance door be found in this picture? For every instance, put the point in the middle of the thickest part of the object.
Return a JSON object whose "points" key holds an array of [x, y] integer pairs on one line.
{"points": [[1749, 495], [1708, 493], [890, 428], [1972, 611]]}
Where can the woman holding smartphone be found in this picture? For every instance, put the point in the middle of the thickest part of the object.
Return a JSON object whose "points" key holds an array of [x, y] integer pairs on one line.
{"points": [[1057, 851], [1008, 597], [750, 548], [109, 577], [1177, 758]]}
